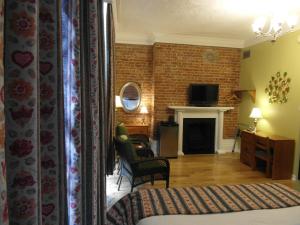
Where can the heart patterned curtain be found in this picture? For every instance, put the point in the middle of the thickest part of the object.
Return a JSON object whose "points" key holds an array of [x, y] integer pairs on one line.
{"points": [[33, 113], [55, 61]]}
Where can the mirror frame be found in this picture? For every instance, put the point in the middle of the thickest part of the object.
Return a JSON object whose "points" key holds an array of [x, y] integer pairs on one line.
{"points": [[137, 87]]}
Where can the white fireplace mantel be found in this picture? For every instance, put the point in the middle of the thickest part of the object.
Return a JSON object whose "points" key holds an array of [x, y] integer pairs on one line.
{"points": [[182, 112]]}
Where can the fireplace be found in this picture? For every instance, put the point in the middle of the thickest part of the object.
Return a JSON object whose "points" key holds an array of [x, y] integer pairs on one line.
{"points": [[216, 113], [199, 135]]}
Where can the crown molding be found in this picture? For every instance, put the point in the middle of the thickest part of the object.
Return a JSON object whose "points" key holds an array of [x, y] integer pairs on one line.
{"points": [[251, 42], [144, 39], [130, 38], [200, 40]]}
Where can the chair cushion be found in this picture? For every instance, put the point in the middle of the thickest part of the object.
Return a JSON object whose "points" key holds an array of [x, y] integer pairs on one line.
{"points": [[126, 149], [140, 141], [152, 167], [121, 129]]}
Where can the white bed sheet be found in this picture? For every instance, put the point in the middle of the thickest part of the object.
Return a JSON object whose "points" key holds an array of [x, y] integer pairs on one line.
{"points": [[285, 216]]}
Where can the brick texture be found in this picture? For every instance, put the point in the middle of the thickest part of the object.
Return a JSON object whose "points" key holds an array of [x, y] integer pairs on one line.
{"points": [[175, 67], [134, 63], [165, 72]]}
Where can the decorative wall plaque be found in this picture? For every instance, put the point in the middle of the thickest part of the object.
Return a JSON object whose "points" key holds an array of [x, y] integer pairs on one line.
{"points": [[278, 88], [210, 56]]}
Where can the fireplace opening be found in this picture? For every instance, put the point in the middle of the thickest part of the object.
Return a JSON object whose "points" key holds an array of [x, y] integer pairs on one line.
{"points": [[198, 135]]}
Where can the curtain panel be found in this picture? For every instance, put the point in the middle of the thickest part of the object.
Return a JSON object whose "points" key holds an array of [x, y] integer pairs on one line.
{"points": [[3, 195], [110, 37], [33, 113], [57, 111], [85, 97]]}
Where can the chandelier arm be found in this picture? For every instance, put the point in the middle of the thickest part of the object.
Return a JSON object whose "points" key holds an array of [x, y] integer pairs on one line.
{"points": [[274, 30]]}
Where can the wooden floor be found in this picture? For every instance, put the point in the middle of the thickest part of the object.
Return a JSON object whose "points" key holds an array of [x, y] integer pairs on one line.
{"points": [[199, 170]]}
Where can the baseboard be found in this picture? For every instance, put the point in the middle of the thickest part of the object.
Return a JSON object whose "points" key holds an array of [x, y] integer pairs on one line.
{"points": [[294, 177], [227, 145]]}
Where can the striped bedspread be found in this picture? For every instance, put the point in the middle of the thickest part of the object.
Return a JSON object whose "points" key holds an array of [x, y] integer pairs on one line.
{"points": [[200, 200]]}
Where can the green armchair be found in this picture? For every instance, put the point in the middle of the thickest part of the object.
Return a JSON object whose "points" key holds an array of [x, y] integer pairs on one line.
{"points": [[140, 142], [139, 170]]}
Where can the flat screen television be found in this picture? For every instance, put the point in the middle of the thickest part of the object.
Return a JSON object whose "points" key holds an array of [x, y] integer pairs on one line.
{"points": [[203, 94]]}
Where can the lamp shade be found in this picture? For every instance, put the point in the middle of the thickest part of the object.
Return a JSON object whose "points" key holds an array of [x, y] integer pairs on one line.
{"points": [[144, 110], [118, 102], [256, 113]]}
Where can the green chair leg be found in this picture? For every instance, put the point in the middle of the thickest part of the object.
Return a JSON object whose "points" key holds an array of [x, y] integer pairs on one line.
{"points": [[152, 180], [167, 182]]}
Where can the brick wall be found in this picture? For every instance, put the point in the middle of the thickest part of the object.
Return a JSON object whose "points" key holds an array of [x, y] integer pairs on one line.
{"points": [[134, 63], [165, 72], [176, 66]]}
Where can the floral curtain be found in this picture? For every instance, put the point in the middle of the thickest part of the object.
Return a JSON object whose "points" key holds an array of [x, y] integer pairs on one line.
{"points": [[33, 113], [3, 195], [54, 67], [85, 92]]}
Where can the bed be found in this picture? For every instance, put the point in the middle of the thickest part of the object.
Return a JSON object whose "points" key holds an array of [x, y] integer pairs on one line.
{"points": [[255, 204], [286, 216]]}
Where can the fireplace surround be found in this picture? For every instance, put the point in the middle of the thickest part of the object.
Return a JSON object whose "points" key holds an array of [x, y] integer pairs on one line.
{"points": [[217, 113]]}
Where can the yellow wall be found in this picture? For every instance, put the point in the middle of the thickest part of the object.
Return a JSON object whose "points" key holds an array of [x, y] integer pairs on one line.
{"points": [[266, 59]]}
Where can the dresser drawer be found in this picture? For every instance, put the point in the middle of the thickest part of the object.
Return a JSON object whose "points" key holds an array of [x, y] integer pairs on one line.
{"points": [[247, 148], [247, 137]]}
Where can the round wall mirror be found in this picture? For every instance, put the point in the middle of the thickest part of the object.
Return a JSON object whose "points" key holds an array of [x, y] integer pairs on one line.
{"points": [[130, 96]]}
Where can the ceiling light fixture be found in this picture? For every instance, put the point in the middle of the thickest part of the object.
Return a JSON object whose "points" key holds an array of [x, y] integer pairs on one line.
{"points": [[276, 26]]}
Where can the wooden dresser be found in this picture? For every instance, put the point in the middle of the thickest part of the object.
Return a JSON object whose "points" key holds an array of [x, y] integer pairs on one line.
{"points": [[138, 129], [283, 153]]}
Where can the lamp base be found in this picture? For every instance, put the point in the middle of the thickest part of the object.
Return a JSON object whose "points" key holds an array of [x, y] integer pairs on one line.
{"points": [[255, 124], [143, 121]]}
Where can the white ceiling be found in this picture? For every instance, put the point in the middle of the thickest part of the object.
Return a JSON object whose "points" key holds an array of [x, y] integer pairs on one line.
{"points": [[209, 22]]}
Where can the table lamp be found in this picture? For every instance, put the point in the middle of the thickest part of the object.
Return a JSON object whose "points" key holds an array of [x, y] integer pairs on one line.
{"points": [[144, 111], [255, 114]]}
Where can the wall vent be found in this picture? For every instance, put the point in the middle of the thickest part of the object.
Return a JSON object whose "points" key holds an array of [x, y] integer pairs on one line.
{"points": [[246, 54]]}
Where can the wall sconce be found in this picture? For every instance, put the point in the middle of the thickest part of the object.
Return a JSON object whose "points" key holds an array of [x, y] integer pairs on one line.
{"points": [[118, 103], [144, 111], [255, 114]]}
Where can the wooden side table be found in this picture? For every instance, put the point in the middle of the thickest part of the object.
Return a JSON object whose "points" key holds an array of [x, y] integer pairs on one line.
{"points": [[138, 129]]}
